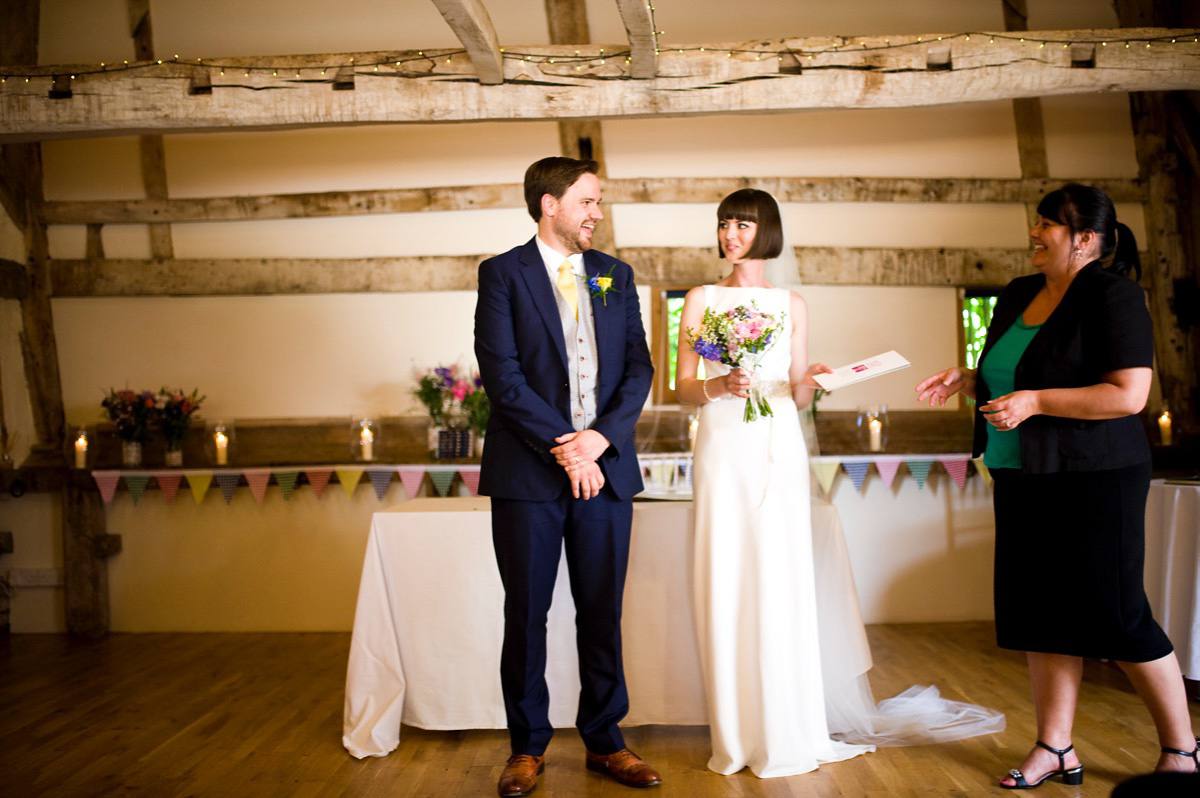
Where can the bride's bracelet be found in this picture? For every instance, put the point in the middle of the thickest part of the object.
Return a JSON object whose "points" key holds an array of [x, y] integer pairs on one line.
{"points": [[704, 388]]}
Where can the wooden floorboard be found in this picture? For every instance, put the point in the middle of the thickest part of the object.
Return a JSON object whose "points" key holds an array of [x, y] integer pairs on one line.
{"points": [[260, 715]]}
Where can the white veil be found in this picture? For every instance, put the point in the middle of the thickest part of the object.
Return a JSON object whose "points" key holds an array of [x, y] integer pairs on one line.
{"points": [[919, 714], [784, 272]]}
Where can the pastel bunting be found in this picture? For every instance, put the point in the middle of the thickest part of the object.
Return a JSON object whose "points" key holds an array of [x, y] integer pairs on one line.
{"points": [[858, 473], [318, 479], [411, 477], [168, 484], [107, 481], [198, 483], [258, 479], [381, 480], [920, 470], [349, 478]]}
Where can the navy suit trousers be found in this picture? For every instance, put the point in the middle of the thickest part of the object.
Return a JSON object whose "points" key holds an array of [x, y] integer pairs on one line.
{"points": [[529, 538]]}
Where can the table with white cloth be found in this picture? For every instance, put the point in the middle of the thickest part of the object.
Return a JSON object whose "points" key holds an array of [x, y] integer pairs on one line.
{"points": [[1172, 574], [425, 649]]}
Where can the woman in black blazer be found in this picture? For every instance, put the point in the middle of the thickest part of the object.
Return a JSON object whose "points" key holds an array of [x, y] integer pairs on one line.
{"points": [[1064, 371]]}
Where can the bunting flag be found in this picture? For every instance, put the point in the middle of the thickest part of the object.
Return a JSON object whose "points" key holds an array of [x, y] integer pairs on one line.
{"points": [[107, 481], [441, 479], [920, 470], [137, 486], [228, 483], [381, 480], [258, 479], [411, 477], [168, 483], [984, 474], [857, 472], [470, 478], [887, 469], [349, 478], [318, 479], [825, 471], [957, 469], [199, 484], [287, 482]]}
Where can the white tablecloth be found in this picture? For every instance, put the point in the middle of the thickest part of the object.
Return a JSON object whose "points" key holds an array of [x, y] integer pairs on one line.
{"points": [[1173, 567], [425, 649]]}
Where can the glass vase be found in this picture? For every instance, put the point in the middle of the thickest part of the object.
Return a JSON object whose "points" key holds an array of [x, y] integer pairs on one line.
{"points": [[131, 454], [174, 454]]}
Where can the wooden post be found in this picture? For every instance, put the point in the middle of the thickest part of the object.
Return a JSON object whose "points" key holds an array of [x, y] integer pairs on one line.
{"points": [[1167, 265], [86, 546], [567, 20]]}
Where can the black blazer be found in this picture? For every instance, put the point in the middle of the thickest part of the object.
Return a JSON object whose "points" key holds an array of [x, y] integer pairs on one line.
{"points": [[1100, 325], [523, 362]]}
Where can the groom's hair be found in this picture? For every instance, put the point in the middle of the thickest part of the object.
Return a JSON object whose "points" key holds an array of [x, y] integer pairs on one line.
{"points": [[553, 176], [753, 205]]}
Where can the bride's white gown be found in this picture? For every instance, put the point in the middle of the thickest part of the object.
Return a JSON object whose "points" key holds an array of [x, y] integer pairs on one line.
{"points": [[781, 639]]}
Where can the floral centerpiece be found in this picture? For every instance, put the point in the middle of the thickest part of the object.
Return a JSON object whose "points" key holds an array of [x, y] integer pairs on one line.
{"points": [[739, 338], [452, 400], [175, 410], [477, 408], [131, 413], [434, 391]]}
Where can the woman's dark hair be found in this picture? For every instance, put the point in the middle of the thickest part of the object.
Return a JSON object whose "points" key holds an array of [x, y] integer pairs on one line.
{"points": [[553, 176], [752, 205], [1082, 208]]}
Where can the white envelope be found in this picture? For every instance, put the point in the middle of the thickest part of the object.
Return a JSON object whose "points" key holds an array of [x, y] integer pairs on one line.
{"points": [[867, 369]]}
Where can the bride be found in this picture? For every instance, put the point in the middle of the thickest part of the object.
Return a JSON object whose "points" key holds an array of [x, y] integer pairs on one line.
{"points": [[781, 640]]}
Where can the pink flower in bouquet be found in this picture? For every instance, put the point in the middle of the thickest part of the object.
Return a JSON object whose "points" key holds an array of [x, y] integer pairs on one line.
{"points": [[460, 389]]}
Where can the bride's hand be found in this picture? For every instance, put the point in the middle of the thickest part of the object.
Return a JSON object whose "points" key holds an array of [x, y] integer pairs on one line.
{"points": [[737, 383]]}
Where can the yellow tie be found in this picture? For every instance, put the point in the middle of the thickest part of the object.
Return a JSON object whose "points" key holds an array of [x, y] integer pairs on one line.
{"points": [[566, 284]]}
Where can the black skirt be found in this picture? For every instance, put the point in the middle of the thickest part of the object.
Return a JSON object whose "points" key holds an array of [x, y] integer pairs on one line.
{"points": [[1070, 550]]}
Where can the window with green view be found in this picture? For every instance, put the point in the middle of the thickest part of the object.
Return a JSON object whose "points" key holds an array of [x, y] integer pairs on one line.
{"points": [[674, 311], [976, 316]]}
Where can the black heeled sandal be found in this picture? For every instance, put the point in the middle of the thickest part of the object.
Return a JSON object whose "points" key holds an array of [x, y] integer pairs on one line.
{"points": [[1194, 754], [1072, 776]]}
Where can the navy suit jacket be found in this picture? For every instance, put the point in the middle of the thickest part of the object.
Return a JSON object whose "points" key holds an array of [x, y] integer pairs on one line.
{"points": [[523, 362]]}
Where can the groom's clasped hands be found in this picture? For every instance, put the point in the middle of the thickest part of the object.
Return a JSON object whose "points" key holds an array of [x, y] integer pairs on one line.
{"points": [[577, 453]]}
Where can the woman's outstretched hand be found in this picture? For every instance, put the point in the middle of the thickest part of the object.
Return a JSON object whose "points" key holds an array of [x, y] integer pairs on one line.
{"points": [[944, 384], [813, 370]]}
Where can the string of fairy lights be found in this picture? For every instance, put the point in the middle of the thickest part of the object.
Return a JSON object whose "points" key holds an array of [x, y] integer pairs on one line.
{"points": [[422, 62]]}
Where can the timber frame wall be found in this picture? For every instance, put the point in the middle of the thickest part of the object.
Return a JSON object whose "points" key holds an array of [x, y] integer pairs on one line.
{"points": [[44, 102]]}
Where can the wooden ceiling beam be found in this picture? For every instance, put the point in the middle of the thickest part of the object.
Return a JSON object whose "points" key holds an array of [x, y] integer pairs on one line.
{"points": [[551, 82], [643, 39], [684, 265], [471, 24], [622, 190]]}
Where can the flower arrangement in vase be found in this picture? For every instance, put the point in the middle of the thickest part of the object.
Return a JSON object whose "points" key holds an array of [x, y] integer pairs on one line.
{"points": [[131, 413], [174, 411], [456, 405]]}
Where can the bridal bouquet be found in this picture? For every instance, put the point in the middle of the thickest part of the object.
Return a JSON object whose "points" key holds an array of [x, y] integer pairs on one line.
{"points": [[738, 338]]}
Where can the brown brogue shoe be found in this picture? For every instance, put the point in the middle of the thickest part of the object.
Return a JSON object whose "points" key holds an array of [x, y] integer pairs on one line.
{"points": [[520, 776], [626, 767]]}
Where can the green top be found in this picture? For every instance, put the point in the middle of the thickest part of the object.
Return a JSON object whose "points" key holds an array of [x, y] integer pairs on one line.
{"points": [[998, 369]]}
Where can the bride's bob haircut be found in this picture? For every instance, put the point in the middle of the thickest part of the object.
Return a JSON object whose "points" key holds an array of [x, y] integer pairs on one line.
{"points": [[753, 205]]}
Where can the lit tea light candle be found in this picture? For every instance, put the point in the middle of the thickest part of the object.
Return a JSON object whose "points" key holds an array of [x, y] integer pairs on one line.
{"points": [[875, 430], [367, 438], [1164, 427], [81, 444], [222, 442]]}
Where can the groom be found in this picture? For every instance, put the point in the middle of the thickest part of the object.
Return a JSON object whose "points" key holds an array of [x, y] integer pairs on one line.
{"points": [[562, 353]]}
